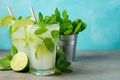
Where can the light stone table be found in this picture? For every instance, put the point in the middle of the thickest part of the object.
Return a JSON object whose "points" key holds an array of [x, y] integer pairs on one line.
{"points": [[89, 65]]}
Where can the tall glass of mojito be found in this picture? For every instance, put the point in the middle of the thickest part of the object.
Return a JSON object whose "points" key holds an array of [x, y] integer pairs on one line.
{"points": [[38, 42], [42, 48]]}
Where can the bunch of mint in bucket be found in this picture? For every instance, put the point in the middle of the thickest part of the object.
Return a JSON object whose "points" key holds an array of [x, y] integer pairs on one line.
{"points": [[67, 27]]}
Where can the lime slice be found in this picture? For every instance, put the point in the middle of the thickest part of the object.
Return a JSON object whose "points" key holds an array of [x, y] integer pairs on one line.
{"points": [[6, 20], [19, 62], [23, 23], [0, 23], [40, 50]]}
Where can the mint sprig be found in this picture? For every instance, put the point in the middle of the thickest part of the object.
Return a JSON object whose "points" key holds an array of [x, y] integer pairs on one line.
{"points": [[55, 34], [5, 62], [68, 27], [14, 49], [62, 65], [49, 44], [40, 17], [58, 17], [40, 31], [10, 30]]}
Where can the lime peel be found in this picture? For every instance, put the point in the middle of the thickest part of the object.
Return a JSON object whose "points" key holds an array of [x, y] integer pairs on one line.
{"points": [[6, 20], [23, 23], [19, 62]]}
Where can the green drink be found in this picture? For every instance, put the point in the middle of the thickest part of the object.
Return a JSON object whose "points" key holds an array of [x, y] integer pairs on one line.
{"points": [[39, 43], [43, 49]]}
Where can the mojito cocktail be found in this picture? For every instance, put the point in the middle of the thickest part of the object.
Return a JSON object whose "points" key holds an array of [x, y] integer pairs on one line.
{"points": [[42, 47], [39, 43]]}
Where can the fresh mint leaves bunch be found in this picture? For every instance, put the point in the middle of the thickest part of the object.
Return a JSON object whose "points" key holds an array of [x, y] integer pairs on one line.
{"points": [[68, 27], [5, 62], [47, 20], [61, 65]]}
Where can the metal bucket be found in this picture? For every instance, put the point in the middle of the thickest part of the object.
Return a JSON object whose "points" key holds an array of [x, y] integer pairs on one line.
{"points": [[67, 43]]}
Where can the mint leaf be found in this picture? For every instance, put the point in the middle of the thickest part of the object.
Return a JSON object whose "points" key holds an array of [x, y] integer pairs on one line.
{"points": [[66, 70], [14, 50], [77, 29], [78, 26], [5, 63], [50, 19], [40, 17], [49, 44], [64, 64], [55, 33], [60, 55], [58, 17], [68, 32], [8, 56], [76, 22], [66, 25], [59, 61], [83, 26], [40, 31], [58, 71], [64, 14], [42, 24], [20, 17], [61, 65], [57, 13], [47, 19], [10, 30]]}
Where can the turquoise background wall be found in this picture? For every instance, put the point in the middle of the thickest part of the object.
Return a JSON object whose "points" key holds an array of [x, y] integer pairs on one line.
{"points": [[101, 16]]}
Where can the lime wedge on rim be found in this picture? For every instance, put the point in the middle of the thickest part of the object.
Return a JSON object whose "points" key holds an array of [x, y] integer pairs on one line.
{"points": [[6, 20], [23, 23], [0, 23]]}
